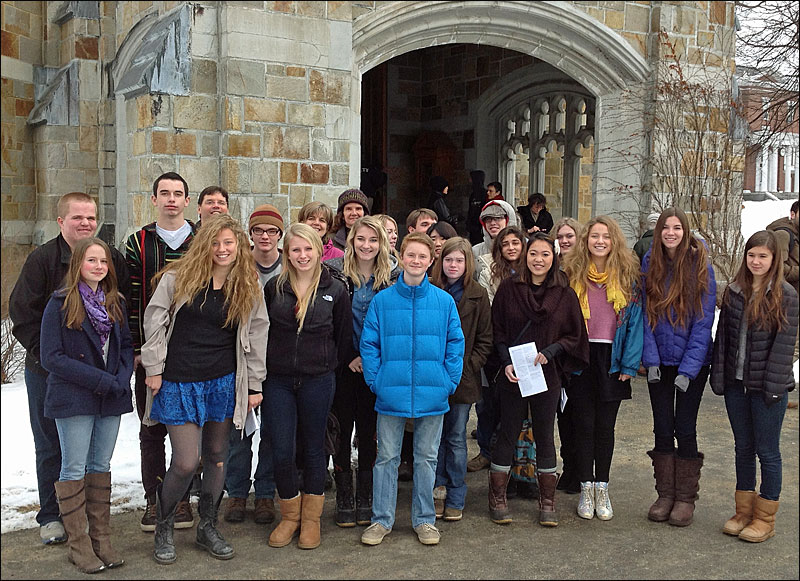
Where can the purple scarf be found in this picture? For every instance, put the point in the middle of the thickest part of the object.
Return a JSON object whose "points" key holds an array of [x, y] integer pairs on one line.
{"points": [[95, 304]]}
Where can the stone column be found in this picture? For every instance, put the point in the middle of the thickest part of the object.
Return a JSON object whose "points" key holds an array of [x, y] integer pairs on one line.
{"points": [[787, 168], [772, 184]]}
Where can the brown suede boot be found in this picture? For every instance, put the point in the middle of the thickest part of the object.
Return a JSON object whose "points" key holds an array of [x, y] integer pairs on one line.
{"points": [[98, 510], [547, 499], [289, 526], [664, 473], [498, 503], [744, 513], [763, 525], [309, 521], [687, 483], [72, 504]]}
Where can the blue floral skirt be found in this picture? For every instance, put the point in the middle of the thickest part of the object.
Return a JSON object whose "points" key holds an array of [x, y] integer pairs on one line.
{"points": [[195, 402]]}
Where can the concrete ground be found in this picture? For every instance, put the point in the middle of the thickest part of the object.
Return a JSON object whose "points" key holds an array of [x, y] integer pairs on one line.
{"points": [[629, 546]]}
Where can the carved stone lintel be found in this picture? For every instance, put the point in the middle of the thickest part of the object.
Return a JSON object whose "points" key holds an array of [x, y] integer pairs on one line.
{"points": [[57, 96], [69, 10]]}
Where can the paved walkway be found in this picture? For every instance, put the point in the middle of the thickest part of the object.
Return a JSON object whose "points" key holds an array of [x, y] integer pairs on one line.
{"points": [[628, 546]]}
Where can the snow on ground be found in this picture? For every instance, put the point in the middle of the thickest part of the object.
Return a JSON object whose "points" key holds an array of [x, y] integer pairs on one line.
{"points": [[20, 500]]}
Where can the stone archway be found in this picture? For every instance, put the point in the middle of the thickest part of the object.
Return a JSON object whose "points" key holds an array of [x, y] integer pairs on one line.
{"points": [[556, 32]]}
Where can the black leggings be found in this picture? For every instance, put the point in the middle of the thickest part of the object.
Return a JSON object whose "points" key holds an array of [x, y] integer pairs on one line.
{"points": [[513, 411], [675, 412], [186, 441], [354, 404]]}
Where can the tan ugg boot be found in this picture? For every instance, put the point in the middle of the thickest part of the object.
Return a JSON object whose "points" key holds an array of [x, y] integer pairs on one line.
{"points": [[289, 526], [763, 525], [309, 522], [744, 513]]}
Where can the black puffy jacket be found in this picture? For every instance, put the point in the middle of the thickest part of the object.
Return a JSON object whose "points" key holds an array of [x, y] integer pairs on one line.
{"points": [[768, 365]]}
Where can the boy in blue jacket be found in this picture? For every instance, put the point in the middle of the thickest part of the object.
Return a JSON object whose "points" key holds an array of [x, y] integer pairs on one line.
{"points": [[412, 350]]}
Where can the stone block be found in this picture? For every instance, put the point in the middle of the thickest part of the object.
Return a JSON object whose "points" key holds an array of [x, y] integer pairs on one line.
{"points": [[9, 44], [237, 176], [265, 176], [314, 173], [204, 45], [245, 78], [293, 71], [186, 144], [286, 142], [337, 122], [82, 160], [341, 151], [615, 19], [264, 110], [204, 76], [88, 112], [51, 155], [30, 50], [277, 70], [288, 172], [340, 174], [88, 138], [86, 47], [289, 88], [209, 144], [242, 145], [67, 180], [716, 13], [195, 112], [340, 11], [313, 115], [17, 21], [322, 149], [90, 80], [311, 9], [22, 107], [139, 143], [198, 172], [233, 113], [637, 18], [300, 195], [340, 55], [329, 87], [284, 189]]}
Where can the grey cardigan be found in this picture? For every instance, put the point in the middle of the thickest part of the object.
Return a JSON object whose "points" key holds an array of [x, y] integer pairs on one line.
{"points": [[251, 346]]}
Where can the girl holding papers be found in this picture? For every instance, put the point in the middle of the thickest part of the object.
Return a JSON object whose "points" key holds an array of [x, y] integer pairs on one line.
{"points": [[536, 306], [604, 273]]}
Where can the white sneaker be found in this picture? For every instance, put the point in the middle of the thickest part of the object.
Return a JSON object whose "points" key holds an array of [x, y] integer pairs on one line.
{"points": [[602, 503], [52, 533], [586, 502]]}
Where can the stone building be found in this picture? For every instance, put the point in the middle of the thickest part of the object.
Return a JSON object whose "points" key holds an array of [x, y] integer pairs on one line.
{"points": [[289, 101]]}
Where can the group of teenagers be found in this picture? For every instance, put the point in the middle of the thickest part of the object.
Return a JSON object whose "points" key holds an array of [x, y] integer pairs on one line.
{"points": [[324, 326]]}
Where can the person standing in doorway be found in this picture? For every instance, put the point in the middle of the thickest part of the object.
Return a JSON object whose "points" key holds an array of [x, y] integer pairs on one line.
{"points": [[535, 217], [439, 189], [42, 274], [146, 253]]}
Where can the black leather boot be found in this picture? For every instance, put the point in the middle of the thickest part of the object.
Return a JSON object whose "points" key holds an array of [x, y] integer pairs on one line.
{"points": [[345, 513], [164, 545], [364, 497], [208, 536]]}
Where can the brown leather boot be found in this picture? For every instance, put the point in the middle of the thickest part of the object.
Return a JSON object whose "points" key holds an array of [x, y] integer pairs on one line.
{"points": [[98, 510], [547, 499], [309, 521], [289, 526], [664, 473], [498, 503], [763, 525], [72, 505], [687, 483], [744, 513]]}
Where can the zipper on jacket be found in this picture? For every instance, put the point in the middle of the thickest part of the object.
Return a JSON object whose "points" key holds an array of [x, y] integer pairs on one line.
{"points": [[413, 343]]}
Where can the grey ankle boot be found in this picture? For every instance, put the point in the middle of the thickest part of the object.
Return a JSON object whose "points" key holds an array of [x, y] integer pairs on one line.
{"points": [[164, 551], [208, 536]]}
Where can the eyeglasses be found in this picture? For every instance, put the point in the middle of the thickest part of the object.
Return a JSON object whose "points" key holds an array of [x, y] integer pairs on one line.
{"points": [[271, 232], [488, 219]]}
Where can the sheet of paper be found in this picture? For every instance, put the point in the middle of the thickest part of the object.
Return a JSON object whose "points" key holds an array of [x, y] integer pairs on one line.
{"points": [[531, 377], [252, 422], [563, 399]]}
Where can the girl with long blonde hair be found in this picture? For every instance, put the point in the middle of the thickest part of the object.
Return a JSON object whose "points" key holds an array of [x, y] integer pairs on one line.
{"points": [[366, 269], [604, 273], [310, 335], [679, 301], [752, 368], [86, 348], [204, 357]]}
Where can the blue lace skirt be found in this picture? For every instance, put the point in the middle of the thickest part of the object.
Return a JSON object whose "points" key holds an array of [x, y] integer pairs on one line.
{"points": [[195, 402]]}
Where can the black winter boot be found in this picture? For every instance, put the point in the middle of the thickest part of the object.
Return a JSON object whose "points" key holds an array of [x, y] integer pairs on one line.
{"points": [[364, 497], [164, 551], [345, 513], [208, 536]]}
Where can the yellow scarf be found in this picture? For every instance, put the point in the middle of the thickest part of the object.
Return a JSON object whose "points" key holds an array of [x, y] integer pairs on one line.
{"points": [[614, 293]]}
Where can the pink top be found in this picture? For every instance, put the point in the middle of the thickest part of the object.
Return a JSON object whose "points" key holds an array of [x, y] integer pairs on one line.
{"points": [[602, 324], [330, 251]]}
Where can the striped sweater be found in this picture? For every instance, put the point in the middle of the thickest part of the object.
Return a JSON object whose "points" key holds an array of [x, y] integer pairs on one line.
{"points": [[146, 253]]}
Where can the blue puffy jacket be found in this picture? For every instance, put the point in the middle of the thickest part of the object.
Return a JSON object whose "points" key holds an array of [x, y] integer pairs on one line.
{"points": [[412, 349], [689, 347]]}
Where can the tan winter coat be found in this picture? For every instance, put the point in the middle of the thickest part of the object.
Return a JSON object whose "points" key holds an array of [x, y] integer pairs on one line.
{"points": [[251, 346]]}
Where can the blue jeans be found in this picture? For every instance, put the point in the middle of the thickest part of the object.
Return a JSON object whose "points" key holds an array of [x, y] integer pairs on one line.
{"points": [[87, 444], [427, 433], [305, 402], [240, 461], [756, 431], [48, 449], [451, 467]]}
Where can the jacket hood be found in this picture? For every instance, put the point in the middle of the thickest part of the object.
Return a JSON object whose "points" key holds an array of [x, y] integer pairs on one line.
{"points": [[509, 211]]}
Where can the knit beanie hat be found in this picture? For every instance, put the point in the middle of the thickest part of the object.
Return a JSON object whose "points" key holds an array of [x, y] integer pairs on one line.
{"points": [[352, 195], [438, 183], [266, 214]]}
